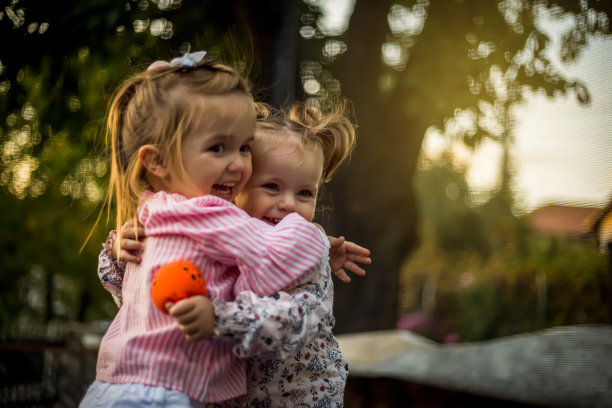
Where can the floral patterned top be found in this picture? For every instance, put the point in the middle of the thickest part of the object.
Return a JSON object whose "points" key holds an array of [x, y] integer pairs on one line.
{"points": [[110, 270], [293, 359]]}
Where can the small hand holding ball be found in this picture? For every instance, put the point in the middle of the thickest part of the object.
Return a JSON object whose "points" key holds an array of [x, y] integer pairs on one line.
{"points": [[175, 281]]}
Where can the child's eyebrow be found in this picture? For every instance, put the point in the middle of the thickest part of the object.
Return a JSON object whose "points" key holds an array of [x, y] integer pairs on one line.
{"points": [[219, 138], [225, 137]]}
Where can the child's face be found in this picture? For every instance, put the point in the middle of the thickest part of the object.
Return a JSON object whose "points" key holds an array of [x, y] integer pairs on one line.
{"points": [[285, 179], [217, 153]]}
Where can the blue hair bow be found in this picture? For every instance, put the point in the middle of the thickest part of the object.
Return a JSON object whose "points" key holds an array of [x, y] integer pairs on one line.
{"points": [[189, 60]]}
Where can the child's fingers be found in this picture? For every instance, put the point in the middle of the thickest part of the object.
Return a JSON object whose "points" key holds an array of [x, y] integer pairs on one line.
{"points": [[130, 250], [195, 335], [340, 273], [335, 243], [191, 310], [179, 309], [195, 331], [129, 257], [353, 248], [130, 232], [354, 268], [132, 244], [186, 319], [189, 329], [366, 260], [191, 337], [183, 314]]}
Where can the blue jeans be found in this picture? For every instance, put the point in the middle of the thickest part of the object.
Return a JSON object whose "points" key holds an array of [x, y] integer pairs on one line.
{"points": [[103, 395]]}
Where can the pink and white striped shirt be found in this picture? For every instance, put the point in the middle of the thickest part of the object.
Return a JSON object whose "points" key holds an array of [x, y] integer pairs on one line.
{"points": [[235, 252]]}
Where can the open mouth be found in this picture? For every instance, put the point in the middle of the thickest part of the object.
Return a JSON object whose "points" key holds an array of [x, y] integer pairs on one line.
{"points": [[272, 220], [223, 190]]}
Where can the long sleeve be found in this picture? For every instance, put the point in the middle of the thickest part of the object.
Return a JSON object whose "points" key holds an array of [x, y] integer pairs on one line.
{"points": [[270, 258], [111, 270], [279, 325]]}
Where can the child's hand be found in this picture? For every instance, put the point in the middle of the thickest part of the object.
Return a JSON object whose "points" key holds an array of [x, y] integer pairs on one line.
{"points": [[131, 248], [343, 255], [195, 316]]}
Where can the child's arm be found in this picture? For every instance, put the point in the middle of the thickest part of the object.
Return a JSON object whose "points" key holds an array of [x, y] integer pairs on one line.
{"points": [[343, 255], [295, 251], [279, 325], [270, 258], [110, 267]]}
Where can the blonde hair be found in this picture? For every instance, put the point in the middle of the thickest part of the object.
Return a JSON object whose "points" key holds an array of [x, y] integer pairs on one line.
{"points": [[333, 131], [148, 110]]}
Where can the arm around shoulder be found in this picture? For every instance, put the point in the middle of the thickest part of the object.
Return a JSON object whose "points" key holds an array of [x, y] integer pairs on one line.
{"points": [[111, 270], [270, 258]]}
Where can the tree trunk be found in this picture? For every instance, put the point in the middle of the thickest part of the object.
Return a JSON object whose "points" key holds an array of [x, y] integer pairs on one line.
{"points": [[373, 199], [269, 35], [284, 70]]}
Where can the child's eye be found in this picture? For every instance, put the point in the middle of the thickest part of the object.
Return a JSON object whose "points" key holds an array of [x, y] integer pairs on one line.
{"points": [[305, 193], [271, 186], [245, 148], [217, 148]]}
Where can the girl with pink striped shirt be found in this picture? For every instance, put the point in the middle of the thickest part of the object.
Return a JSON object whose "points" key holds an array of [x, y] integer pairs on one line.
{"points": [[293, 358], [180, 136]]}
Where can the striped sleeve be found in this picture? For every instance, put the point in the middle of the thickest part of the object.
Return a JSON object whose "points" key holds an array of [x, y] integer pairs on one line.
{"points": [[293, 251], [270, 258]]}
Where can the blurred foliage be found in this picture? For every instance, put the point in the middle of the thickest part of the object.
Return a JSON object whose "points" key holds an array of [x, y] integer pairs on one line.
{"points": [[457, 65], [52, 176], [60, 62], [481, 273]]}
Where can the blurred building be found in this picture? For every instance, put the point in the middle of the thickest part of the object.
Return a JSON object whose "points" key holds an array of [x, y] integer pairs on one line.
{"points": [[564, 220], [580, 223]]}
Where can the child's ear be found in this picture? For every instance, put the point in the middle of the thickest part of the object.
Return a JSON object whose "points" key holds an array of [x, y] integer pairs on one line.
{"points": [[153, 161]]}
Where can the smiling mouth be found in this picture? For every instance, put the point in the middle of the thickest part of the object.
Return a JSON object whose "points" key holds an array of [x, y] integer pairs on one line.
{"points": [[223, 190], [272, 220]]}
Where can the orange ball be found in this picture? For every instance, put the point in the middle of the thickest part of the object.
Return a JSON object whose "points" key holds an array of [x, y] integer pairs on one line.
{"points": [[175, 281]]}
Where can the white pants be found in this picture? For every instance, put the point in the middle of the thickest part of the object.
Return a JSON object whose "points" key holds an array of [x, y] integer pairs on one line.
{"points": [[104, 395]]}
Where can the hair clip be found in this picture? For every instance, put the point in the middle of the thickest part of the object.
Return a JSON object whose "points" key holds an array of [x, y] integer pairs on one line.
{"points": [[189, 60], [158, 64]]}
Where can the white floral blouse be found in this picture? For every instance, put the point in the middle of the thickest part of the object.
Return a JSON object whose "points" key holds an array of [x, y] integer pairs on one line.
{"points": [[293, 358], [110, 270]]}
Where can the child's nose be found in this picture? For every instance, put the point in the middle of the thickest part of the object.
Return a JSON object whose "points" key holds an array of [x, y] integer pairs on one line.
{"points": [[287, 203], [238, 163]]}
